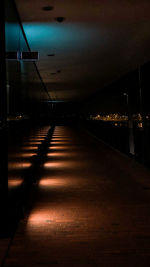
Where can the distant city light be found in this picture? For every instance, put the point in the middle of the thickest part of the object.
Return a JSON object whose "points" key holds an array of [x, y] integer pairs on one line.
{"points": [[117, 117], [110, 117]]}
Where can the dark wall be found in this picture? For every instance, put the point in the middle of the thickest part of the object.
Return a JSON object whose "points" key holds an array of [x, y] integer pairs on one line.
{"points": [[24, 86]]}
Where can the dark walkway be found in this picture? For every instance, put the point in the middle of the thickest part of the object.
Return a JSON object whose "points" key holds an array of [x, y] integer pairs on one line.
{"points": [[90, 208]]}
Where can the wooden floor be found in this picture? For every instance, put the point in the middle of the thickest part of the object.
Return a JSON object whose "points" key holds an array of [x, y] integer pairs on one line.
{"points": [[91, 207]]}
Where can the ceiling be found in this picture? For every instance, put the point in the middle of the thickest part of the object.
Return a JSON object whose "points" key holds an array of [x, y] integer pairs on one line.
{"points": [[97, 43]]}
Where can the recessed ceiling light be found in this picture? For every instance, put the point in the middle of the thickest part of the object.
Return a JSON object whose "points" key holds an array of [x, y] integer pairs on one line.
{"points": [[48, 8], [60, 19]]}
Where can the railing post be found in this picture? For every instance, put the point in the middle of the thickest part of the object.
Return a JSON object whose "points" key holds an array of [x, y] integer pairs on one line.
{"points": [[130, 126]]}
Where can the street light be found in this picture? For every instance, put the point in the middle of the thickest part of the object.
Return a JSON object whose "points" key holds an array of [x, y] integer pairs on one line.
{"points": [[127, 96]]}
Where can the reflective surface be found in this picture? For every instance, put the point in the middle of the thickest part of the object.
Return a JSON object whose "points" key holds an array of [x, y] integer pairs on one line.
{"points": [[90, 208], [20, 154]]}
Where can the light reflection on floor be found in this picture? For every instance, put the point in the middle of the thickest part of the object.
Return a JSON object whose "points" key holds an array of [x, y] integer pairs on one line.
{"points": [[38, 219], [48, 217], [61, 136], [53, 142], [59, 164], [32, 143], [36, 140], [61, 139], [27, 155], [14, 182], [58, 154], [22, 155], [19, 158], [18, 165], [63, 148], [63, 164], [55, 182], [71, 221], [30, 147], [38, 136]]}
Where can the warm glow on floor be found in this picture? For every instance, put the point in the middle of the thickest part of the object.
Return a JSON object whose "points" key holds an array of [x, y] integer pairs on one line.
{"points": [[14, 182], [33, 143], [62, 154], [30, 147], [38, 136], [18, 165], [59, 164], [58, 154], [36, 140], [61, 148], [38, 218], [22, 155], [27, 155], [54, 182], [55, 164], [43, 219], [53, 142], [47, 217], [61, 138]]}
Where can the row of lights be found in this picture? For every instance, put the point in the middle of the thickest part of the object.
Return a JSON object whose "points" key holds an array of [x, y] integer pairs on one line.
{"points": [[58, 19], [26, 153], [50, 8]]}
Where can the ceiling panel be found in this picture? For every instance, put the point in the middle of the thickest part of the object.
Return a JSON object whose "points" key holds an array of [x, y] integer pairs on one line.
{"points": [[97, 42]]}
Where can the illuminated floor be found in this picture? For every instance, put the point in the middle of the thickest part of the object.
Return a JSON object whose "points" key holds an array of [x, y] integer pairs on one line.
{"points": [[19, 156], [91, 207]]}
